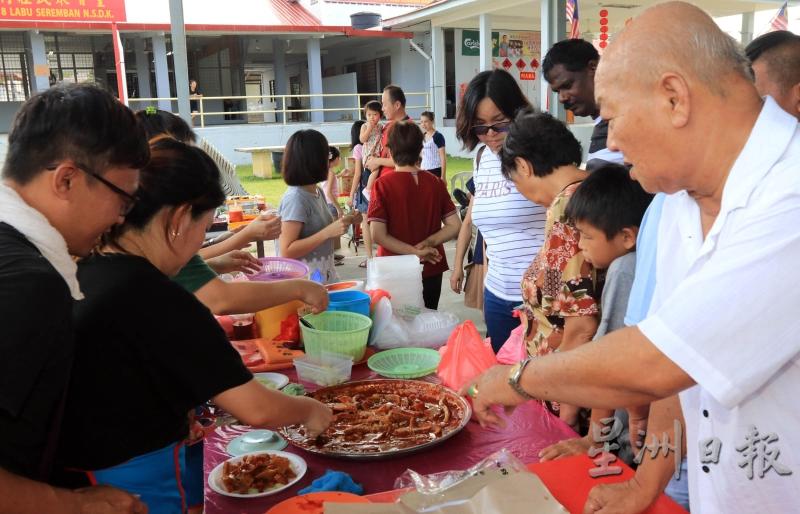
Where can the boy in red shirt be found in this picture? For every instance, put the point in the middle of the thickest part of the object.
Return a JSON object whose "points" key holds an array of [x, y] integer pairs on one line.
{"points": [[409, 208]]}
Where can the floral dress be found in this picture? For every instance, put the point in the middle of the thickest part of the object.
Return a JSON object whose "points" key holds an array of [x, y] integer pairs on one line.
{"points": [[559, 282]]}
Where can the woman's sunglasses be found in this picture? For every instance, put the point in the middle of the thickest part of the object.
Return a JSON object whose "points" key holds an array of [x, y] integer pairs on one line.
{"points": [[499, 127]]}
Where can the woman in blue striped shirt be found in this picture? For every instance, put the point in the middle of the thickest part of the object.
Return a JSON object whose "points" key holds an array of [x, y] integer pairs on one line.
{"points": [[512, 226]]}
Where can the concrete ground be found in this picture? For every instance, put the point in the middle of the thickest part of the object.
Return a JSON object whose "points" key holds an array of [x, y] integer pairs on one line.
{"points": [[450, 301]]}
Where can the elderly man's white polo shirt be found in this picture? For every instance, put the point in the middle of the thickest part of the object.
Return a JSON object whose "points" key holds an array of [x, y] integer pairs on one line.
{"points": [[727, 311]]}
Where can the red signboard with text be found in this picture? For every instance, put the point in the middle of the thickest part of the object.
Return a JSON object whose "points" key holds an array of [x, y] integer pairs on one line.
{"points": [[527, 75], [63, 10]]}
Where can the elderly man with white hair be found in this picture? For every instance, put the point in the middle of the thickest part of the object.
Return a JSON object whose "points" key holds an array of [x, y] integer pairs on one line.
{"points": [[722, 330]]}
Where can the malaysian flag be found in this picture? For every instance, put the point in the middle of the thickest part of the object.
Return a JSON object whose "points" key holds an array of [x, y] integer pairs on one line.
{"points": [[572, 17], [778, 22]]}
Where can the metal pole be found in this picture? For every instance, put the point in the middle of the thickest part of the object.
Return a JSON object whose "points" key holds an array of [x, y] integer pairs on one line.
{"points": [[119, 61], [485, 23], [554, 29], [179, 58]]}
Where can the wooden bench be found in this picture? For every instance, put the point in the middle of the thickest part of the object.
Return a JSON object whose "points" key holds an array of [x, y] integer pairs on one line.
{"points": [[262, 157]]}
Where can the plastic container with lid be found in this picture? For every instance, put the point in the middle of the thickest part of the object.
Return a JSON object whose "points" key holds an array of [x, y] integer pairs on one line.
{"points": [[326, 369]]}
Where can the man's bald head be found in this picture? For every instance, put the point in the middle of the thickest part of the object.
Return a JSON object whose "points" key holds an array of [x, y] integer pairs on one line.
{"points": [[678, 96], [691, 44]]}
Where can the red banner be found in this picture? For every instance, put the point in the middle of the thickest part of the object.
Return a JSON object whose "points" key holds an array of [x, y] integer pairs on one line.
{"points": [[63, 10], [527, 75]]}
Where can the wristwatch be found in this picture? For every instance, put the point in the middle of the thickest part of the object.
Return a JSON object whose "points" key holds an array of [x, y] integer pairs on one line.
{"points": [[515, 374]]}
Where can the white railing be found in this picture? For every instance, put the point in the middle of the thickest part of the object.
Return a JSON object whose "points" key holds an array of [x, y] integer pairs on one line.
{"points": [[285, 111]]}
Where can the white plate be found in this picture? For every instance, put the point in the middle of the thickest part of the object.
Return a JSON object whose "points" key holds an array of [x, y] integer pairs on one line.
{"points": [[296, 462], [278, 379]]}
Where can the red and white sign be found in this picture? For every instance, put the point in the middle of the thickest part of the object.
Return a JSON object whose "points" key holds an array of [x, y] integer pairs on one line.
{"points": [[527, 75], [521, 64], [63, 10]]}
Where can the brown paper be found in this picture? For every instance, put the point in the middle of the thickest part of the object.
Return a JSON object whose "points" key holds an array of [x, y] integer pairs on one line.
{"points": [[492, 492]]}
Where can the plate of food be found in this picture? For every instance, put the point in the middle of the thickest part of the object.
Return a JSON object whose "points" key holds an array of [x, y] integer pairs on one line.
{"points": [[257, 474], [375, 419], [271, 380]]}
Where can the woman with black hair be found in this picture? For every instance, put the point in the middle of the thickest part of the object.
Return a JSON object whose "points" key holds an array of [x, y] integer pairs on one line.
{"points": [[358, 201], [560, 289], [148, 351], [308, 229], [512, 226]]}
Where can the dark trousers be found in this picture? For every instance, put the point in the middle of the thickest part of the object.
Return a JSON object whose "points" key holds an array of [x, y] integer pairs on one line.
{"points": [[436, 171], [432, 290]]}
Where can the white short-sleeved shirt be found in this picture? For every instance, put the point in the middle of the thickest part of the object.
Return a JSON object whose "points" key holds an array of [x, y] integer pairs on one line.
{"points": [[512, 226], [725, 309]]}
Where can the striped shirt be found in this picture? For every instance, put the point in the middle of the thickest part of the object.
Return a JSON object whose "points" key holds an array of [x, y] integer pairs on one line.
{"points": [[512, 226], [430, 151]]}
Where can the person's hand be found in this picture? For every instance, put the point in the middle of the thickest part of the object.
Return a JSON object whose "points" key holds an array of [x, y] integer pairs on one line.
{"points": [[349, 201], [315, 295], [337, 229], [102, 499], [628, 497], [457, 279], [372, 164], [265, 227], [566, 448], [489, 389], [428, 254], [318, 419], [233, 261], [357, 218]]}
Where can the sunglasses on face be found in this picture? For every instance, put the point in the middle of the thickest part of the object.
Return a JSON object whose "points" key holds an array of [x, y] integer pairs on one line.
{"points": [[130, 200], [499, 127]]}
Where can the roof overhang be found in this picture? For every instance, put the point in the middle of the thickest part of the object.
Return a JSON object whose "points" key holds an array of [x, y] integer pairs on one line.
{"points": [[205, 29]]}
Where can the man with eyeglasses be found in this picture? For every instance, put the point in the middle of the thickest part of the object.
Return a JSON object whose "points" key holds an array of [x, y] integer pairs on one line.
{"points": [[71, 173]]}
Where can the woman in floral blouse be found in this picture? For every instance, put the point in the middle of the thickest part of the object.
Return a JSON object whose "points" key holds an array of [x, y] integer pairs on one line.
{"points": [[560, 290]]}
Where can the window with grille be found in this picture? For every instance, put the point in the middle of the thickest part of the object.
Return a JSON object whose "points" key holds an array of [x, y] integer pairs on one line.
{"points": [[71, 58], [14, 86]]}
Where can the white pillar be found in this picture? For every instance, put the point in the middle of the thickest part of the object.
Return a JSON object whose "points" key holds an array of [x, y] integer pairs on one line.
{"points": [[39, 74], [179, 58], [142, 72], [748, 26], [439, 100], [279, 68], [315, 78], [485, 24], [554, 29], [162, 72]]}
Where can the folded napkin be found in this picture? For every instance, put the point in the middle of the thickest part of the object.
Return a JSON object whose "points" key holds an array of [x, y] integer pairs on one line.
{"points": [[333, 481]]}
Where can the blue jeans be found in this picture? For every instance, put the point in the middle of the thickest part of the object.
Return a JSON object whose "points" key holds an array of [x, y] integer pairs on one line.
{"points": [[678, 490], [499, 319]]}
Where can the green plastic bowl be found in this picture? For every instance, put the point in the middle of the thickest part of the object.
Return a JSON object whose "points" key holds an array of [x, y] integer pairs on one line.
{"points": [[405, 362], [341, 332]]}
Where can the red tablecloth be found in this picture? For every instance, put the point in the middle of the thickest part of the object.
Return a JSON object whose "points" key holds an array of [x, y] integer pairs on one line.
{"points": [[530, 429]]}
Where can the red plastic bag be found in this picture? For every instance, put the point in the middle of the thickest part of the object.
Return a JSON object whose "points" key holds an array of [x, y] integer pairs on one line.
{"points": [[514, 349], [465, 356]]}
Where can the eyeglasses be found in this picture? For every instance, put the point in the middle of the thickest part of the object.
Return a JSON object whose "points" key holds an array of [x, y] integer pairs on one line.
{"points": [[130, 200], [499, 127]]}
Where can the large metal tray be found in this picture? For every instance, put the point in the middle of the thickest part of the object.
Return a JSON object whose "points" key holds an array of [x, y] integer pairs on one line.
{"points": [[291, 435]]}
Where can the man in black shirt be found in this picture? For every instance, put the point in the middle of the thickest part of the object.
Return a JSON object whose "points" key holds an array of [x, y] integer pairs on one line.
{"points": [[71, 173], [569, 68]]}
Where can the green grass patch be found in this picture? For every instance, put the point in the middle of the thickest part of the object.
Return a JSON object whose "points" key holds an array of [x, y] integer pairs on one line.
{"points": [[273, 188]]}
